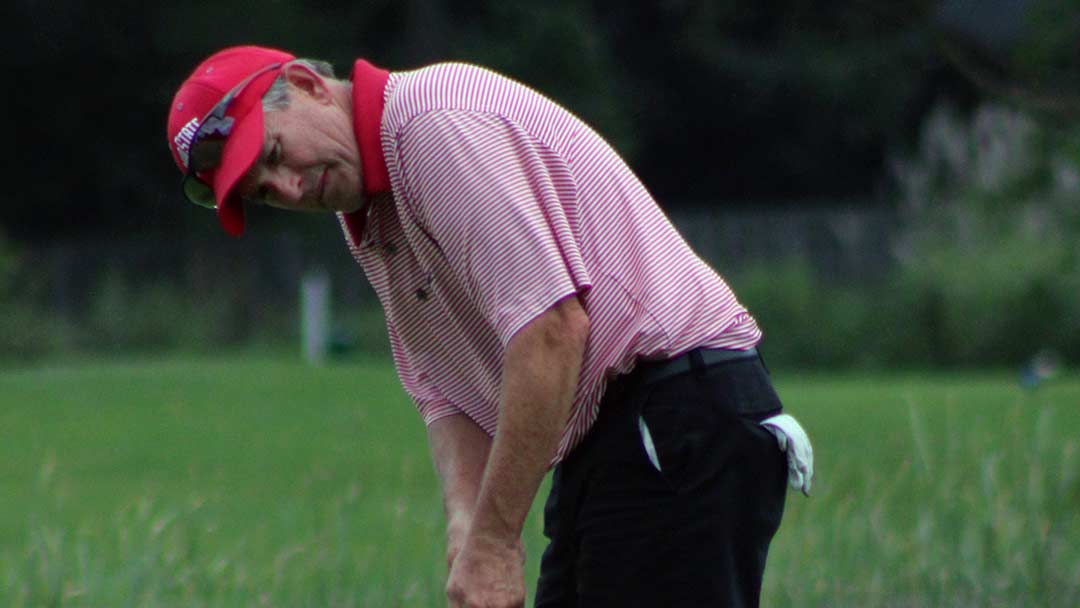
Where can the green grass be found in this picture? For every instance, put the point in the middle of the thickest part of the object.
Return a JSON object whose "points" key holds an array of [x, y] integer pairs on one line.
{"points": [[260, 481]]}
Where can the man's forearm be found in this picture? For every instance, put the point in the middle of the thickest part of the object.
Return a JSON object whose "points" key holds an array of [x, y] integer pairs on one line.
{"points": [[460, 449], [540, 374]]}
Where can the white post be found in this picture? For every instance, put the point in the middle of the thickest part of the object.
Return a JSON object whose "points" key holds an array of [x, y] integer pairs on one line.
{"points": [[315, 315]]}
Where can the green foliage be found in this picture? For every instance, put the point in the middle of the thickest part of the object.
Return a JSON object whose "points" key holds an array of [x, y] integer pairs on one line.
{"points": [[125, 316], [995, 305], [1046, 54], [9, 265], [999, 303], [25, 332], [806, 322], [988, 252], [125, 312], [28, 335]]}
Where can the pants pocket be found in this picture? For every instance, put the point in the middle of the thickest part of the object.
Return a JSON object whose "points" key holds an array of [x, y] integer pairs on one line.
{"points": [[699, 421], [688, 441]]}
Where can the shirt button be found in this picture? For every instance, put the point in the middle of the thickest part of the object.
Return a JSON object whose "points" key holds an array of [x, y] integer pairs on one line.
{"points": [[389, 249], [421, 294]]}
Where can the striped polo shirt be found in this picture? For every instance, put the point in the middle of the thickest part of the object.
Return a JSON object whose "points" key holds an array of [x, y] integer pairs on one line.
{"points": [[489, 203]]}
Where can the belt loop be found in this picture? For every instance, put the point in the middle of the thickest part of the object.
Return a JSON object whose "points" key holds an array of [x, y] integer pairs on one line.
{"points": [[697, 362]]}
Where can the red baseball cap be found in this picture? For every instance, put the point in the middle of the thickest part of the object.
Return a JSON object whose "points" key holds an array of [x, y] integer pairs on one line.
{"points": [[243, 74]]}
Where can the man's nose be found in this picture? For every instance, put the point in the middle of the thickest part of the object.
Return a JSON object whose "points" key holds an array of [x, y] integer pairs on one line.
{"points": [[285, 185]]}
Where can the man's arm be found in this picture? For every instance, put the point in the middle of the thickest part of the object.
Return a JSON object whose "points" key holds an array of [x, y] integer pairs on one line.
{"points": [[460, 450], [540, 374]]}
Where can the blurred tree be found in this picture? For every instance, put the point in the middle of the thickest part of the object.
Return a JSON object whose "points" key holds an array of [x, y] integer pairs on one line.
{"points": [[557, 48], [709, 100], [1021, 51], [769, 101]]}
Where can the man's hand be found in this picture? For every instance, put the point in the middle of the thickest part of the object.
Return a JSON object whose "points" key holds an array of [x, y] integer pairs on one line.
{"points": [[487, 573], [456, 531]]}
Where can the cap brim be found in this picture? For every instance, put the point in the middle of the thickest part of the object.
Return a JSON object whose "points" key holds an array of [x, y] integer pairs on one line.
{"points": [[241, 150]]}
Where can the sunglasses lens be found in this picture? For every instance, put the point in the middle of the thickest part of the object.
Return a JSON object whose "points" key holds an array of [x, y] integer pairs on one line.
{"points": [[199, 192], [206, 154]]}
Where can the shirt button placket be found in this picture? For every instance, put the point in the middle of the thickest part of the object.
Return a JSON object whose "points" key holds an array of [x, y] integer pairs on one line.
{"points": [[423, 292]]}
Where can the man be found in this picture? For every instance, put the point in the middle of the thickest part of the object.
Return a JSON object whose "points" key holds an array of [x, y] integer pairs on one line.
{"points": [[541, 311]]}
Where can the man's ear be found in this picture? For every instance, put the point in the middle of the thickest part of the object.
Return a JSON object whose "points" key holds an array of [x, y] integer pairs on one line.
{"points": [[308, 81]]}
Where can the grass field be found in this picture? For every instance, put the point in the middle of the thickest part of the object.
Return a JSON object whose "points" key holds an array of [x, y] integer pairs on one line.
{"points": [[259, 481]]}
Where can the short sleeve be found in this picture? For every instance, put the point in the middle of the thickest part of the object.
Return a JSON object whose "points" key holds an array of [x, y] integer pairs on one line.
{"points": [[502, 208]]}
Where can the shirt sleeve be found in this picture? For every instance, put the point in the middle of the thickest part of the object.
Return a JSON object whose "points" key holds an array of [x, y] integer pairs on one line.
{"points": [[500, 205]]}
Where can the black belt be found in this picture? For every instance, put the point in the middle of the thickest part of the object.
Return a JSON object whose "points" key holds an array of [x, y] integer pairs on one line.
{"points": [[651, 372]]}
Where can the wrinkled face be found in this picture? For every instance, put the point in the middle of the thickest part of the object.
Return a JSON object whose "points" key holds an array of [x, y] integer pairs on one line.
{"points": [[309, 160]]}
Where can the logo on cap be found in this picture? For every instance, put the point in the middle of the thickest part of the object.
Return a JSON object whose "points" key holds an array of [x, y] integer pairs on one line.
{"points": [[182, 141]]}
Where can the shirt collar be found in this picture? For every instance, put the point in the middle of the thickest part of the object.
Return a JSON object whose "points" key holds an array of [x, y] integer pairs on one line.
{"points": [[369, 84]]}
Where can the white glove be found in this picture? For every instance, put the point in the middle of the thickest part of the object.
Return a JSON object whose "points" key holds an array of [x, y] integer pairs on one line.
{"points": [[796, 444]]}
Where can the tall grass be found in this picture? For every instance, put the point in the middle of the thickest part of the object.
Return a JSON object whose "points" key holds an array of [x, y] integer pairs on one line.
{"points": [[347, 550], [266, 483], [977, 507]]}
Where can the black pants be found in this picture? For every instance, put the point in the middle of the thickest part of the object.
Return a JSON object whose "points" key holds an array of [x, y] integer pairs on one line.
{"points": [[695, 533]]}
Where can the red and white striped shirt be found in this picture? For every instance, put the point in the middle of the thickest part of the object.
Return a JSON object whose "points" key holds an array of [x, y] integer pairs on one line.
{"points": [[490, 203]]}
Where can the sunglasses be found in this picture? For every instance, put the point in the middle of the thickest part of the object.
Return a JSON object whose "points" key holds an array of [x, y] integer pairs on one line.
{"points": [[208, 143]]}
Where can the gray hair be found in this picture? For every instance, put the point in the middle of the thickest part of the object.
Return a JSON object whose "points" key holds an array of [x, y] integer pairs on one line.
{"points": [[277, 96]]}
